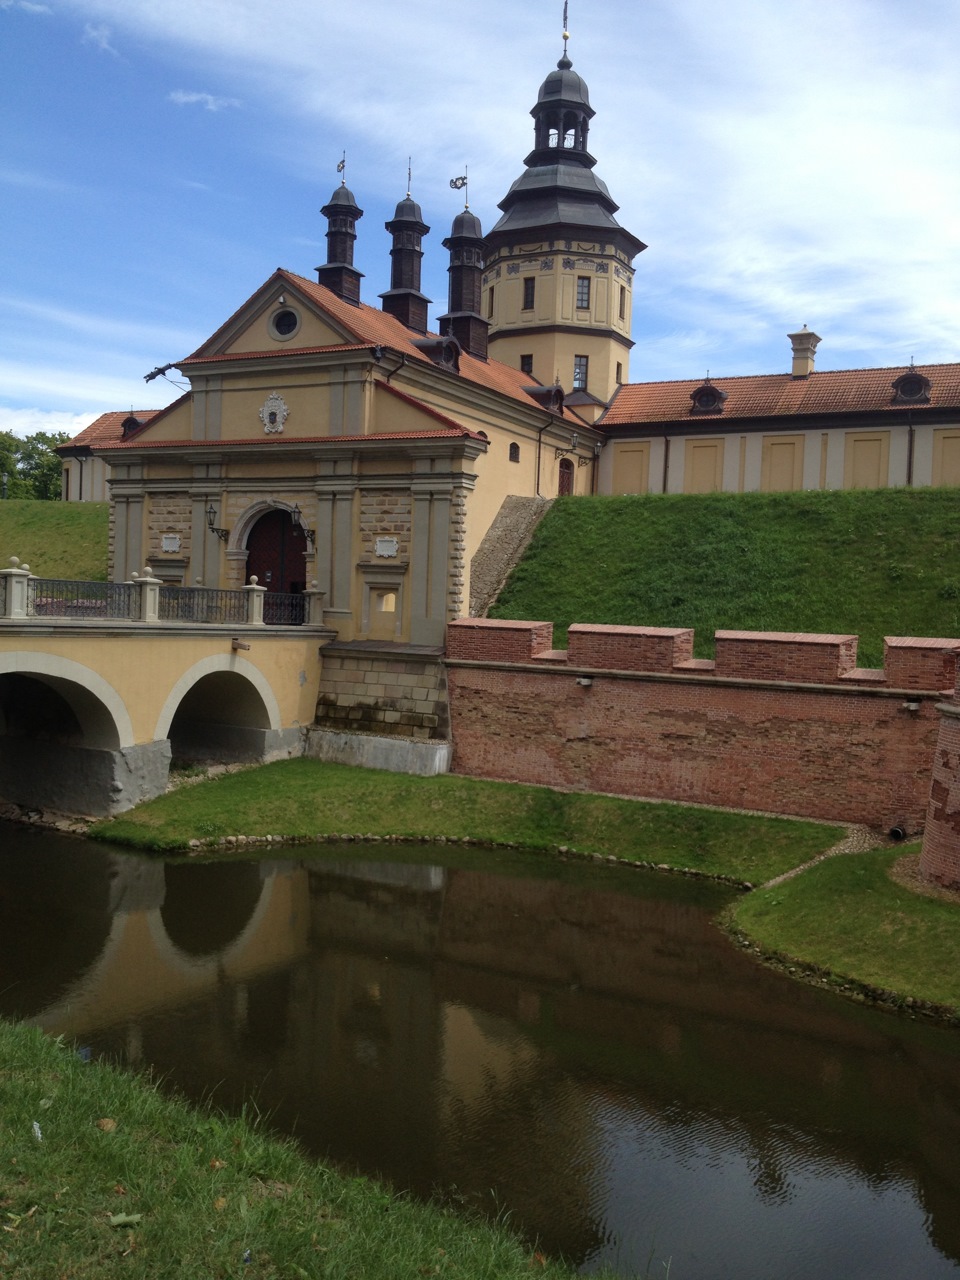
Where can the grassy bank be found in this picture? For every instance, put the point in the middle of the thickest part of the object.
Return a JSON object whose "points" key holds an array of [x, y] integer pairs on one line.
{"points": [[56, 539], [847, 917], [304, 798], [868, 563], [117, 1180]]}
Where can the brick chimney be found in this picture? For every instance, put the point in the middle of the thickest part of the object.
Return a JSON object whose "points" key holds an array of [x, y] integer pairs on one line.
{"points": [[804, 345], [338, 273]]}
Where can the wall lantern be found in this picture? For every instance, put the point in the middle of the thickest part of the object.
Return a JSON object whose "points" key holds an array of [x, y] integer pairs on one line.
{"points": [[309, 534], [572, 447], [222, 534]]}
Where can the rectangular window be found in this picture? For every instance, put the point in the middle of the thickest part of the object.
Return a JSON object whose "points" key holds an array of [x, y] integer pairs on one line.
{"points": [[619, 373], [579, 373], [490, 303], [526, 365], [583, 292], [623, 302], [529, 292]]}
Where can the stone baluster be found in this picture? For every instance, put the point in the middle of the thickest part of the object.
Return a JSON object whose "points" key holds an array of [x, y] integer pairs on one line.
{"points": [[149, 595], [16, 577], [315, 599], [255, 594]]}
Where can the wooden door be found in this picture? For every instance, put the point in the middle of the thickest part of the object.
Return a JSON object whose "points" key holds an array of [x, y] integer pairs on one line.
{"points": [[275, 548]]}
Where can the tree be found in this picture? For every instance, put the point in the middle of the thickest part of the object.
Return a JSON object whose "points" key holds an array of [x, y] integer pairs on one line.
{"points": [[31, 467]]}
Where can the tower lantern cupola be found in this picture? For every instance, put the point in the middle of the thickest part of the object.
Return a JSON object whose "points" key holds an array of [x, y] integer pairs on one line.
{"points": [[339, 274], [403, 299], [558, 273]]}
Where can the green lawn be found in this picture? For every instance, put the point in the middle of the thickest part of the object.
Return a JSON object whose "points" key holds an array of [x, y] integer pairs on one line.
{"points": [[307, 798], [848, 917], [868, 563], [56, 539], [118, 1180]]}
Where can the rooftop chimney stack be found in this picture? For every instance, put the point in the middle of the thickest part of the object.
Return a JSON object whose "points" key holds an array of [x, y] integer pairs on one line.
{"points": [[339, 274], [463, 320], [403, 299], [804, 345]]}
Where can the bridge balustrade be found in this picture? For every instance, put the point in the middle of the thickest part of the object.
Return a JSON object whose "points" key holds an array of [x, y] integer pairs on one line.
{"points": [[284, 609], [63, 598], [24, 596], [202, 604]]}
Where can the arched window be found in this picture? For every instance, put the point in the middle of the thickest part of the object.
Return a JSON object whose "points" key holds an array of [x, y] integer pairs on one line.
{"points": [[514, 452], [565, 483]]}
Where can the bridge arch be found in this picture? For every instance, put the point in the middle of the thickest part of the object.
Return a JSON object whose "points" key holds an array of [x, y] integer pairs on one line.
{"points": [[67, 740], [222, 708], [99, 710]]}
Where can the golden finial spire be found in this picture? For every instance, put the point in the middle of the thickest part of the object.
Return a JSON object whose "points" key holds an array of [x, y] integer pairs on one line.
{"points": [[566, 30], [341, 166]]}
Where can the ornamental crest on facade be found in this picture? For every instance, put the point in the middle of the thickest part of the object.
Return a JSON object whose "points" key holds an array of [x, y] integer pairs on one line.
{"points": [[274, 413]]}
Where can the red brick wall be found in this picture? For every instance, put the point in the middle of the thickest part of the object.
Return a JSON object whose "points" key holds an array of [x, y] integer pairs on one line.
{"points": [[940, 859], [744, 733]]}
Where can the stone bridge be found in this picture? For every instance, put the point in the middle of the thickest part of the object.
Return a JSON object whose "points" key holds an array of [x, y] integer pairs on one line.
{"points": [[97, 698]]}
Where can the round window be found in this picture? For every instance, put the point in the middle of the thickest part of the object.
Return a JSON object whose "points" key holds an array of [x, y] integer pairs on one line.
{"points": [[911, 387], [285, 323]]}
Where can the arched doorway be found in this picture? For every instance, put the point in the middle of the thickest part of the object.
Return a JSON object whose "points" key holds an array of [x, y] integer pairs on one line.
{"points": [[275, 549], [565, 485]]}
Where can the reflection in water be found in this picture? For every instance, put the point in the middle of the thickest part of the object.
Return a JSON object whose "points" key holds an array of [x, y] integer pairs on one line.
{"points": [[585, 1051]]}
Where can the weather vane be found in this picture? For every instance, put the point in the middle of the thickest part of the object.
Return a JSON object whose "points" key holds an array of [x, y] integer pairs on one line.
{"points": [[342, 164], [459, 184], [566, 32], [409, 175]]}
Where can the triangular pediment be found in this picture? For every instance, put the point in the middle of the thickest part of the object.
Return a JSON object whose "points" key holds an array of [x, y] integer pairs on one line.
{"points": [[279, 317]]}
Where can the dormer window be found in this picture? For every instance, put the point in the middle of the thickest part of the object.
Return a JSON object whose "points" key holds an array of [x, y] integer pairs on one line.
{"points": [[707, 399], [911, 388]]}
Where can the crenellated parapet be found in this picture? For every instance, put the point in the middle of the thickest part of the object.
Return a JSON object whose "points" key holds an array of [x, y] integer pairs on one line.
{"points": [[910, 664], [784, 722]]}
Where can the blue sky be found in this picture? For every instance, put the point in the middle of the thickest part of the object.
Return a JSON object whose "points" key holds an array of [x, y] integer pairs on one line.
{"points": [[786, 164]]}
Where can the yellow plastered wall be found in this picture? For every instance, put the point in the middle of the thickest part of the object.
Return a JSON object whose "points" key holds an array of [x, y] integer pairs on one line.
{"points": [[781, 465], [946, 456], [703, 465], [631, 467], [866, 462]]}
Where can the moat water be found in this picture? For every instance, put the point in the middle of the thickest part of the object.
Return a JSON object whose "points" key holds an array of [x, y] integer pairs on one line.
{"points": [[579, 1047]]}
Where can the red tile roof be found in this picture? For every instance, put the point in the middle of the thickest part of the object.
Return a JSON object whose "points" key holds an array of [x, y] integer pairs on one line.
{"points": [[108, 428], [776, 395], [370, 327]]}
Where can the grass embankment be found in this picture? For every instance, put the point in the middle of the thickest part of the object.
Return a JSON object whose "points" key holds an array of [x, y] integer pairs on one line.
{"points": [[868, 563], [847, 917], [306, 798], [122, 1181], [56, 539]]}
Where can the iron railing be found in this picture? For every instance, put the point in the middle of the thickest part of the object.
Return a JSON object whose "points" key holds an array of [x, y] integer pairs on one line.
{"points": [[147, 600], [62, 598], [284, 609], [202, 604]]}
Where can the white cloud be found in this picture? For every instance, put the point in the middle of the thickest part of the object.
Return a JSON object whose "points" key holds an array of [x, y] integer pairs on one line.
{"points": [[785, 167], [34, 181], [27, 422], [118, 330], [99, 34], [26, 5], [183, 98]]}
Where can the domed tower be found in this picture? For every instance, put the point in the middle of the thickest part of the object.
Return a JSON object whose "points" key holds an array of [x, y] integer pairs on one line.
{"points": [[339, 273], [558, 274], [463, 320], [403, 299]]}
